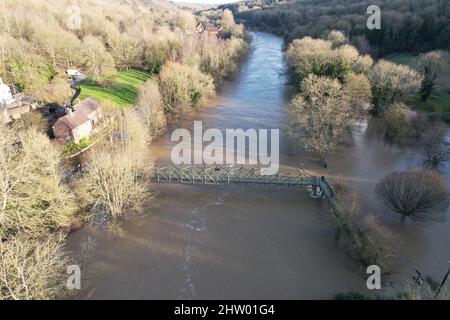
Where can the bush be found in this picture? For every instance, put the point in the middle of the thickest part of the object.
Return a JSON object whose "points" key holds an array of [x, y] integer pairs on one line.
{"points": [[399, 123], [72, 147], [436, 148], [416, 194], [33, 120], [366, 240]]}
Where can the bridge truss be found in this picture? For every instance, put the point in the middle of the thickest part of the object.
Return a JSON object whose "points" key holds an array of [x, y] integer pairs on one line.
{"points": [[219, 175]]}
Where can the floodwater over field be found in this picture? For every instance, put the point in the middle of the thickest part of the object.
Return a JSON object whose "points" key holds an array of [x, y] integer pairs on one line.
{"points": [[250, 242]]}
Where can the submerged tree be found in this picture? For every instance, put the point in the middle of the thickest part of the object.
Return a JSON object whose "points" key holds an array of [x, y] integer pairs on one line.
{"points": [[416, 194], [115, 183], [320, 115], [399, 122], [390, 82], [436, 148], [329, 58]]}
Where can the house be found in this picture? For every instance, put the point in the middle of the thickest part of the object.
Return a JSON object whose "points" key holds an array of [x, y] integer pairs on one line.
{"points": [[12, 103], [209, 29], [200, 28], [79, 122], [6, 96]]}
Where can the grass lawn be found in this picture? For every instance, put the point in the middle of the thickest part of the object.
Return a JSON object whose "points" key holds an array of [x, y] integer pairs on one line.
{"points": [[438, 103], [122, 93]]}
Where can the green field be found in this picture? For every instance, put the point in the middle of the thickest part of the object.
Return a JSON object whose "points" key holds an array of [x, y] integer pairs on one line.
{"points": [[403, 58], [122, 92], [438, 103]]}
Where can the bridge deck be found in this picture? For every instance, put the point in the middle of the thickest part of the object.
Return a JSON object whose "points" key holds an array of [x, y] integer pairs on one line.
{"points": [[200, 174]]}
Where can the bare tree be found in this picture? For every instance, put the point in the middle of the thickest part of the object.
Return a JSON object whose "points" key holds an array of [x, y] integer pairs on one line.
{"points": [[320, 115], [416, 194], [150, 106], [338, 38], [33, 198], [115, 183], [399, 122], [98, 61], [436, 149], [33, 269]]}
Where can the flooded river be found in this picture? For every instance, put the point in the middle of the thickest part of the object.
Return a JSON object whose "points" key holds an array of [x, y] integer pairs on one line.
{"points": [[249, 242]]}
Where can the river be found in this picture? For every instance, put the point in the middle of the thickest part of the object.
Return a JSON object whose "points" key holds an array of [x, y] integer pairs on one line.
{"points": [[250, 242]]}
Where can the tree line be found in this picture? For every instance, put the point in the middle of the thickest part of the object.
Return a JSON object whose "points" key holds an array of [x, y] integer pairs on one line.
{"points": [[38, 44], [406, 25]]}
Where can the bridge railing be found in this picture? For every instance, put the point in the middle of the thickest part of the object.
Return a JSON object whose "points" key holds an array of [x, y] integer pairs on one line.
{"points": [[203, 174]]}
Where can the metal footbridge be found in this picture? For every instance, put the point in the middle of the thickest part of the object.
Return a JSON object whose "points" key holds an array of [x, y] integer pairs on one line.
{"points": [[244, 175]]}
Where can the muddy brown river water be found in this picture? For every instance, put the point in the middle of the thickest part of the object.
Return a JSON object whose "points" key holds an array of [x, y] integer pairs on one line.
{"points": [[249, 242]]}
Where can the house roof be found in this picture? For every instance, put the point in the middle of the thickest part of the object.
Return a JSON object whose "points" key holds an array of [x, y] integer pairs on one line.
{"points": [[80, 115], [88, 106]]}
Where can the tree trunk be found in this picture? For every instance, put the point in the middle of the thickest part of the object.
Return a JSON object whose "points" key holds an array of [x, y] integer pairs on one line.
{"points": [[323, 159]]}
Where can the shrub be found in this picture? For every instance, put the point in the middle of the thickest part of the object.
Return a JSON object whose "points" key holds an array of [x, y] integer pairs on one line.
{"points": [[33, 120], [416, 194], [366, 240], [399, 123], [72, 147], [435, 146]]}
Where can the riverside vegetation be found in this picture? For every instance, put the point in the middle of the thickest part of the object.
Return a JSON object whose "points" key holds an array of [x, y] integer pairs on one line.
{"points": [[337, 87], [150, 54]]}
